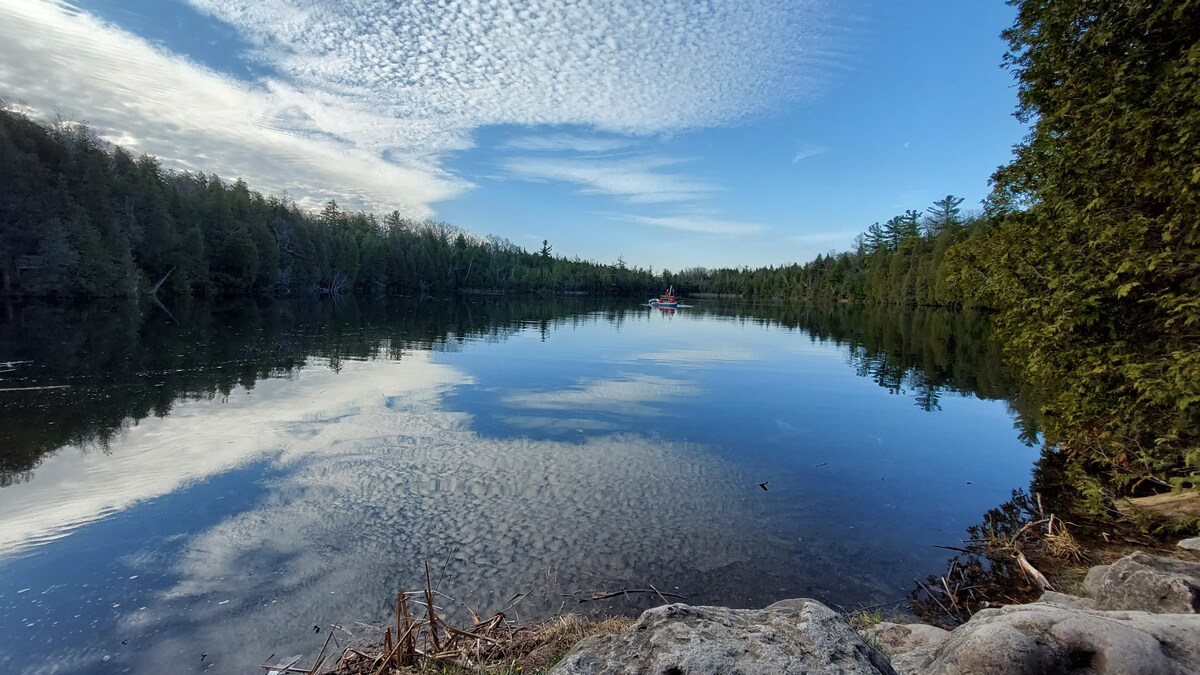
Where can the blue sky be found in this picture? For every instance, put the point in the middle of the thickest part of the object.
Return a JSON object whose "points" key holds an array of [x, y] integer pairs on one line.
{"points": [[671, 134]]}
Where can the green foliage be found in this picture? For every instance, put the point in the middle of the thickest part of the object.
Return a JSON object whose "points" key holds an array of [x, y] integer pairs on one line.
{"points": [[903, 262], [80, 219], [1093, 255]]}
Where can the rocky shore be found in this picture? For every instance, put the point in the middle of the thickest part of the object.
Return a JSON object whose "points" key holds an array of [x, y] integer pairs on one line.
{"points": [[1140, 614]]}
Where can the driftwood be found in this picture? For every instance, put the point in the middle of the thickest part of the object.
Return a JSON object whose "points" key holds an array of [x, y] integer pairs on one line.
{"points": [[1033, 573]]}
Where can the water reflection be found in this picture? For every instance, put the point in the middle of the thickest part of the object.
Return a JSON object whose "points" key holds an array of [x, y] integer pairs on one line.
{"points": [[218, 481]]}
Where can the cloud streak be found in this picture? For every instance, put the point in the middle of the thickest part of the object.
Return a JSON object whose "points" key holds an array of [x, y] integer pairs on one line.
{"points": [[637, 179], [808, 151], [700, 224]]}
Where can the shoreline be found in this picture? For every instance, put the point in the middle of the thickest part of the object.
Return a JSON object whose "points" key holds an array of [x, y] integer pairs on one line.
{"points": [[421, 642]]}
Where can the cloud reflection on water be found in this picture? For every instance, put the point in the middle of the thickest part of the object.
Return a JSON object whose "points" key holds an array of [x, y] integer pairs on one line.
{"points": [[199, 439], [627, 394], [380, 485]]}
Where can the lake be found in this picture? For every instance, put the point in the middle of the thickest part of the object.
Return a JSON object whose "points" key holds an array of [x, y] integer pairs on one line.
{"points": [[196, 486]]}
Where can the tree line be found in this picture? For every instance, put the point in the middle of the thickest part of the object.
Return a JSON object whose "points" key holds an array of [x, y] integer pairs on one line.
{"points": [[79, 218], [901, 261]]}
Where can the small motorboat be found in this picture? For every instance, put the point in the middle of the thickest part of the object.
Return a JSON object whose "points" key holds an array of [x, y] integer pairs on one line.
{"points": [[667, 299]]}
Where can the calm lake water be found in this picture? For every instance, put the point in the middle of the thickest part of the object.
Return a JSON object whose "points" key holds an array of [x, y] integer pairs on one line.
{"points": [[205, 486]]}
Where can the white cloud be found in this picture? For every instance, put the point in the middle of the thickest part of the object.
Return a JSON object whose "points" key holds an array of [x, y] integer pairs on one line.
{"points": [[53, 58], [702, 224], [567, 142], [628, 66], [368, 96], [636, 179], [808, 151]]}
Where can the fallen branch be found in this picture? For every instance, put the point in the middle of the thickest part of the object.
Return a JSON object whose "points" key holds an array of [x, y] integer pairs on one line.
{"points": [[1038, 578]]}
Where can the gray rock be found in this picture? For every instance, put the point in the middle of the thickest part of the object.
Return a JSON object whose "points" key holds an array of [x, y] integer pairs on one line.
{"points": [[898, 640], [1048, 638], [1192, 544], [1091, 582], [793, 636], [901, 638], [1146, 583], [1064, 600]]}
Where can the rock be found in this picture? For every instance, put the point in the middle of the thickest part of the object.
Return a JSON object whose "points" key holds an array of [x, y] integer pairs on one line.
{"points": [[1050, 638], [1192, 544], [1146, 583], [1064, 600], [898, 640], [1091, 582], [792, 636]]}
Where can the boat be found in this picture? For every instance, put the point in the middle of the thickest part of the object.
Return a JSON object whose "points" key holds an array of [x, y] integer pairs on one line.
{"points": [[667, 299]]}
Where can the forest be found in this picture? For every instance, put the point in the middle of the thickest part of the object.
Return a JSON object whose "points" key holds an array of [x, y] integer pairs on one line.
{"points": [[1087, 251], [79, 218]]}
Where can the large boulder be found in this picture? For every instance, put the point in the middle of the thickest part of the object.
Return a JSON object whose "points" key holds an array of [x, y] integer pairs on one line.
{"points": [[1053, 638], [1147, 583], [792, 636]]}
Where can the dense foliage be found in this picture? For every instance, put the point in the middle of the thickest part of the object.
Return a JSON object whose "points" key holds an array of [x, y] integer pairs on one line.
{"points": [[78, 218], [902, 261], [1093, 254]]}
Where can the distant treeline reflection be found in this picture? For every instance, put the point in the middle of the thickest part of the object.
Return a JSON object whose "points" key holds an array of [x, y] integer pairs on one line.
{"points": [[81, 375]]}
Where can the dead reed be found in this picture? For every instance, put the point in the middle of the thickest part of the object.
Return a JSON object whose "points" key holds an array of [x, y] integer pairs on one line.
{"points": [[425, 643]]}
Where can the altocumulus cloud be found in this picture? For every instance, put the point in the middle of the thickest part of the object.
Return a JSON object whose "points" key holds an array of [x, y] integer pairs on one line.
{"points": [[368, 96]]}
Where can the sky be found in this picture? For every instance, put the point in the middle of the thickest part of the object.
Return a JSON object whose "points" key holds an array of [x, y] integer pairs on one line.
{"points": [[667, 133]]}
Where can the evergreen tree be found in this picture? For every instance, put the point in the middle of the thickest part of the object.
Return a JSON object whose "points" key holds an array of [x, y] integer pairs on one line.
{"points": [[1094, 256], [943, 215]]}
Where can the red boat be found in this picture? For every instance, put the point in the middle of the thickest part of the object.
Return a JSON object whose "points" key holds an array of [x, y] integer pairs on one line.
{"points": [[667, 299]]}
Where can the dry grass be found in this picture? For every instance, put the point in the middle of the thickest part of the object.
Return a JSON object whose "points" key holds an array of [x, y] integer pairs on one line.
{"points": [[545, 645], [1061, 543], [527, 650], [425, 645]]}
